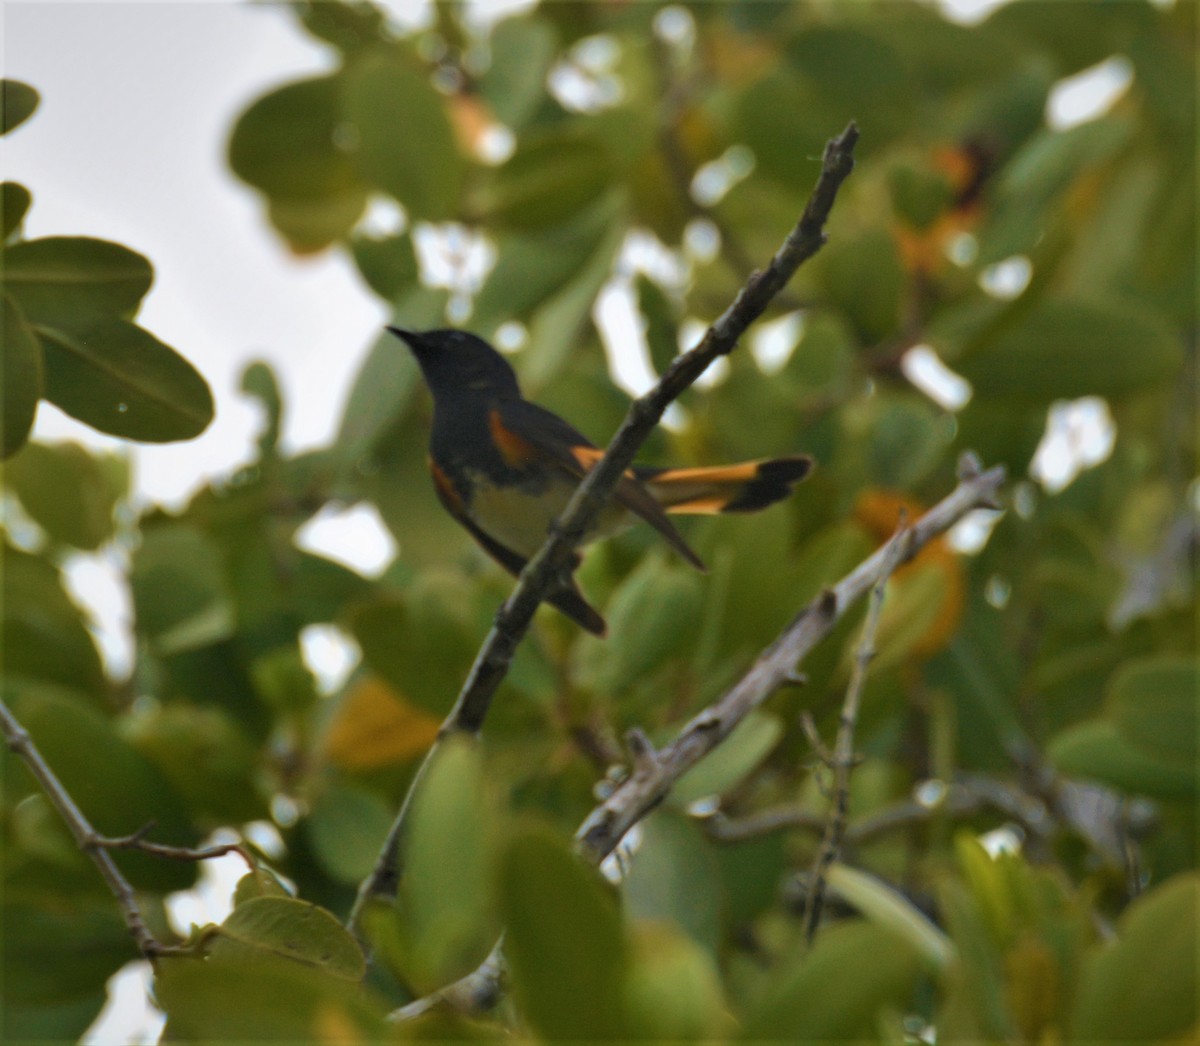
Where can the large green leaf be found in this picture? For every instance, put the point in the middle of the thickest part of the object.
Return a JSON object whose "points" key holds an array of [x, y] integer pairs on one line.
{"points": [[406, 144], [1142, 986], [122, 380], [1063, 349], [70, 493], [1096, 749], [20, 100], [839, 989], [273, 928], [563, 941], [523, 50], [345, 828], [1153, 703], [446, 901], [21, 364], [65, 280], [244, 999]]}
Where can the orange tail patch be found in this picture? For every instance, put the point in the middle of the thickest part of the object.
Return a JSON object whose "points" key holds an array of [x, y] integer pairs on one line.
{"points": [[745, 487]]}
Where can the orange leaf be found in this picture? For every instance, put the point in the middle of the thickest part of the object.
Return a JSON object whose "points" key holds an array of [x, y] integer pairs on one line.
{"points": [[374, 726]]}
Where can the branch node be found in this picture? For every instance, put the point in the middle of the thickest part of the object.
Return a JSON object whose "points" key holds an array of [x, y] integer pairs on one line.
{"points": [[642, 753]]}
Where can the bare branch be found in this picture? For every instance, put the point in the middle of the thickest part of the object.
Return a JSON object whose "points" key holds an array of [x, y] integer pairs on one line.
{"points": [[546, 567], [843, 759]]}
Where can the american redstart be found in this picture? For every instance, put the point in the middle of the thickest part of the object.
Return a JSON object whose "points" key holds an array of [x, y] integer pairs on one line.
{"points": [[505, 468]]}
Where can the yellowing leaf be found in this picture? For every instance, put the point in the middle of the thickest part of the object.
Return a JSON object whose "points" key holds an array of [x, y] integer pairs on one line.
{"points": [[375, 726]]}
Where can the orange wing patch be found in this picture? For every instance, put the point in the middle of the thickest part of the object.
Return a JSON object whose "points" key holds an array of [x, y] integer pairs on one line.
{"points": [[515, 451], [447, 491], [587, 456]]}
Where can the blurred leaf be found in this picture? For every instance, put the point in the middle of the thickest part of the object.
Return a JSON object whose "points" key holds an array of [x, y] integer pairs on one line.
{"points": [[259, 381], [21, 364], [976, 982], [672, 988], [117, 789], [393, 106], [662, 322], [1153, 704], [909, 438], [424, 644], [14, 205], [563, 941], [206, 755], [44, 634], [446, 899], [551, 177], [66, 280], [673, 878], [838, 989], [310, 224], [257, 883], [1097, 750], [346, 827], [180, 594], [387, 263], [348, 27], [1064, 349], [58, 953], [1142, 986], [20, 100], [373, 726], [523, 50], [779, 119], [241, 998], [890, 909], [283, 681], [722, 769], [120, 379], [70, 493], [652, 616], [265, 928], [865, 279]]}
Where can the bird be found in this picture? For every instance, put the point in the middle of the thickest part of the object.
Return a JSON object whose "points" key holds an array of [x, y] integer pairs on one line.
{"points": [[505, 468]]}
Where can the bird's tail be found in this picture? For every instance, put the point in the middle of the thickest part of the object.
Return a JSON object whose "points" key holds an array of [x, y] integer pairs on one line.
{"points": [[746, 487]]}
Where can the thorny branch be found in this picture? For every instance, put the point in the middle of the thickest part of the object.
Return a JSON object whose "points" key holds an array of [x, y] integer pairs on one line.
{"points": [[515, 616], [97, 846]]}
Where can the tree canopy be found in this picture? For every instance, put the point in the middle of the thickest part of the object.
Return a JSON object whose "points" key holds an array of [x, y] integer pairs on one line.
{"points": [[1011, 803]]}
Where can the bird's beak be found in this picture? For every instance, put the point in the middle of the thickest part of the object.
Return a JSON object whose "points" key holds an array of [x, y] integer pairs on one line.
{"points": [[411, 338]]}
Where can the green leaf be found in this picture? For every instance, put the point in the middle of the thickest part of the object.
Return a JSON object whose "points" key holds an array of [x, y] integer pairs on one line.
{"points": [[122, 380], [864, 278], [662, 323], [446, 901], [345, 827], [21, 364], [287, 143], [387, 263], [1063, 349], [406, 143], [839, 989], [563, 941], [180, 595], [70, 493], [552, 176], [740, 753], [259, 381], [44, 635], [59, 950], [672, 991], [14, 204], [889, 908], [20, 100], [523, 50], [1097, 750], [117, 789], [311, 224], [673, 877], [1153, 703], [65, 280], [285, 928], [1142, 986], [244, 999]]}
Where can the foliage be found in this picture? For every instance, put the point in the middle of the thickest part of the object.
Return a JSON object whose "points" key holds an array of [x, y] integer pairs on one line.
{"points": [[1055, 664]]}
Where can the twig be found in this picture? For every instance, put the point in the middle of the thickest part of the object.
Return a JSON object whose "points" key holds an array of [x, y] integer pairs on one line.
{"points": [[605, 826], [477, 992], [843, 759], [961, 799], [96, 845], [651, 780], [546, 567]]}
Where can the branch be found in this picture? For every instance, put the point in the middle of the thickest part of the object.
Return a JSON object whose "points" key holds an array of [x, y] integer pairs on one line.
{"points": [[546, 567], [96, 845], [843, 758], [775, 667]]}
